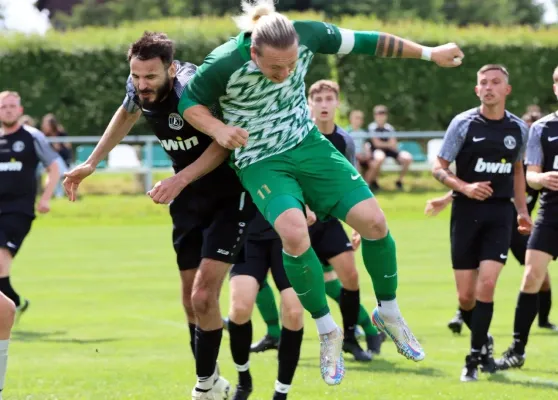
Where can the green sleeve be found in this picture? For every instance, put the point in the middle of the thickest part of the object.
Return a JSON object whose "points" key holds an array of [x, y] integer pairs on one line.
{"points": [[325, 38], [210, 81]]}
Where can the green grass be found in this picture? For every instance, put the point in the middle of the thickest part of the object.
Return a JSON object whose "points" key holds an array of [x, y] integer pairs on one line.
{"points": [[106, 320]]}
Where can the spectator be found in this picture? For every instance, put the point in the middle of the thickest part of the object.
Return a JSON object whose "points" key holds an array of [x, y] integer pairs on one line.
{"points": [[384, 146], [356, 120], [51, 128], [27, 120], [534, 108], [530, 117]]}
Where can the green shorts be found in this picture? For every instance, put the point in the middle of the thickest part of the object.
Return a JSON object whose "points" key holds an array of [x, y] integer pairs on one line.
{"points": [[314, 173]]}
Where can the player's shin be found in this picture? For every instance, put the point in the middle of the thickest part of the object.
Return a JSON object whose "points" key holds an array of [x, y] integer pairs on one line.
{"points": [[307, 279], [288, 355], [207, 349], [192, 328], [525, 313], [349, 305], [381, 263], [268, 309], [240, 340]]}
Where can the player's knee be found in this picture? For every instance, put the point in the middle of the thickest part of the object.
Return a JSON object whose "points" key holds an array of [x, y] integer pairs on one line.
{"points": [[467, 300], [241, 311], [292, 315], [534, 277], [375, 225], [486, 288], [188, 307], [202, 300], [7, 312], [293, 230]]}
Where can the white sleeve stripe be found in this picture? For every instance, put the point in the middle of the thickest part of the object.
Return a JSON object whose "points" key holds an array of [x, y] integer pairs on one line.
{"points": [[347, 41]]}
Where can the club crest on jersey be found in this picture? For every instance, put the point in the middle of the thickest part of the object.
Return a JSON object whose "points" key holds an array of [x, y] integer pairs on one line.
{"points": [[509, 142], [175, 121], [18, 146]]}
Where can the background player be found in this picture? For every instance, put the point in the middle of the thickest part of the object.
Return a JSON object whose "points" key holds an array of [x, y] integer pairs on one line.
{"points": [[518, 247], [209, 215], [487, 143], [263, 254], [542, 174], [22, 148], [258, 79]]}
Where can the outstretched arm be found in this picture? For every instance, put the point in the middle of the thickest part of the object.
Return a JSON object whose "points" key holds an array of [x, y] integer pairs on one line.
{"points": [[166, 190]]}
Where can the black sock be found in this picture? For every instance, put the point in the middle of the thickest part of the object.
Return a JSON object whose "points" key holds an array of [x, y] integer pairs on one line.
{"points": [[288, 355], [525, 314], [349, 303], [192, 328], [207, 351], [8, 290], [545, 304], [240, 341], [480, 323], [466, 316]]}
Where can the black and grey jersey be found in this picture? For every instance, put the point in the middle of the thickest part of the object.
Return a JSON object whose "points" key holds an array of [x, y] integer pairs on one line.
{"points": [[20, 154], [180, 140], [542, 150], [485, 150]]}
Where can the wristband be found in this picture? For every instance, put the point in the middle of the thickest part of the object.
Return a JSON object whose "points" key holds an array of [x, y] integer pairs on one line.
{"points": [[426, 53]]}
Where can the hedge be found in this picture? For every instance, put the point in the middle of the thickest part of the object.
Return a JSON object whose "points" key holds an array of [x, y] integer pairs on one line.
{"points": [[80, 75]]}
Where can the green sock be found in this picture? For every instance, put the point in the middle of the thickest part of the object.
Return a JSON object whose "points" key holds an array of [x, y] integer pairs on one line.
{"points": [[268, 309], [381, 263], [307, 278], [365, 323], [333, 289]]}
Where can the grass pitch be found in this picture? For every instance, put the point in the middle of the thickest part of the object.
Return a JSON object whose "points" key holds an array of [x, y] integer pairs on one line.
{"points": [[106, 321]]}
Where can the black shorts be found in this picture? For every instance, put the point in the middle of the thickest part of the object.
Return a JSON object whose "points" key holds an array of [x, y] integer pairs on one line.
{"points": [[329, 239], [544, 237], [14, 227], [210, 227], [260, 257], [479, 232], [391, 153]]}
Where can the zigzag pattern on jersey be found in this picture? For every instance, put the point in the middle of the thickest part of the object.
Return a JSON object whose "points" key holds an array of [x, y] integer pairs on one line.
{"points": [[275, 115]]}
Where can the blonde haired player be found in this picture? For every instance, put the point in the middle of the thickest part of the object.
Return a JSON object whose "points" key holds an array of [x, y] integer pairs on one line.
{"points": [[283, 160]]}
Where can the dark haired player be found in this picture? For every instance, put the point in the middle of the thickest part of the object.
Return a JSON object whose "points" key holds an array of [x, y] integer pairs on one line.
{"points": [[209, 215]]}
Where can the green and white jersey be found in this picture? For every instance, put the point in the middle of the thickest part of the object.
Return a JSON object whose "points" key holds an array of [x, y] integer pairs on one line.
{"points": [[276, 116]]}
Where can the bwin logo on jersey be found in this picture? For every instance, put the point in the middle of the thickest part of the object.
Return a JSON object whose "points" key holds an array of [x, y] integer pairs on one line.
{"points": [[493, 167], [180, 144], [555, 165], [175, 121], [12, 166]]}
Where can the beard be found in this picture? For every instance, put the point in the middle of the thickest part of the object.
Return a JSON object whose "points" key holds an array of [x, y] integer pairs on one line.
{"points": [[160, 93], [9, 124]]}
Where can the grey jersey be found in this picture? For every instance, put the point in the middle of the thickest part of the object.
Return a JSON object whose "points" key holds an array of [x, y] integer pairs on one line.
{"points": [[485, 150]]}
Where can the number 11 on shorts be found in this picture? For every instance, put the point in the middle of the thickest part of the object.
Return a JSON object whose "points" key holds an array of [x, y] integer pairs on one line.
{"points": [[263, 191]]}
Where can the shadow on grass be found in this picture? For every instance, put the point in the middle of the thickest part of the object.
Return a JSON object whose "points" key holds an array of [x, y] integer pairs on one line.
{"points": [[516, 380], [54, 337], [385, 366]]}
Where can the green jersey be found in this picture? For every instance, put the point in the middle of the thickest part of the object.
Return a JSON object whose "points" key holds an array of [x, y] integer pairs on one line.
{"points": [[276, 116]]}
